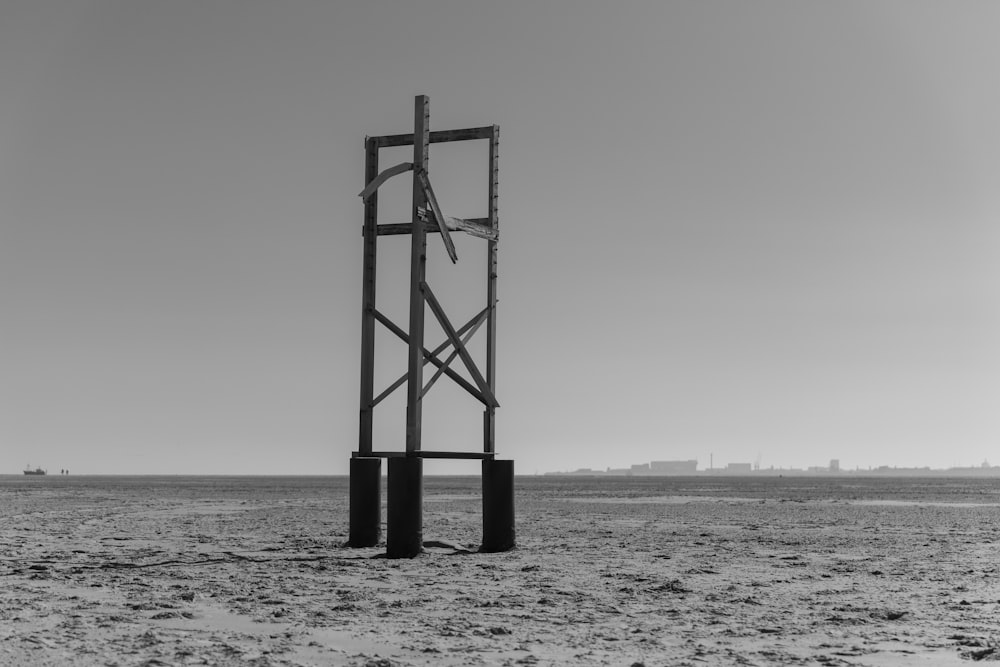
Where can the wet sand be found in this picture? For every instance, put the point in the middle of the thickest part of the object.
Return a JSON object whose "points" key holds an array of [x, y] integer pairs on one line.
{"points": [[238, 571]]}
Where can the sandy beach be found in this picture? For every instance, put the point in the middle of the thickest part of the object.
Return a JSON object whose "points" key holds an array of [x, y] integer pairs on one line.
{"points": [[253, 571]]}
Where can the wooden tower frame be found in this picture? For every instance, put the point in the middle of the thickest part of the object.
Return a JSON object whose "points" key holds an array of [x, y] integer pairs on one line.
{"points": [[405, 467]]}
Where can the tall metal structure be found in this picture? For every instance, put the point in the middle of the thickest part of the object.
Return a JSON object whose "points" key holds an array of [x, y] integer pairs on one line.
{"points": [[405, 474]]}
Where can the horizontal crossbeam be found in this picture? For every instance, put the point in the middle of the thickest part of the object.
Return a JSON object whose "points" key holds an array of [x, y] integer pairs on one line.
{"points": [[431, 198], [423, 454], [439, 136], [479, 227]]}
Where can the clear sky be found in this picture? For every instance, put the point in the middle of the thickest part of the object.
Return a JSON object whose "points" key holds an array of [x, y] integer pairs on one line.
{"points": [[738, 229]]}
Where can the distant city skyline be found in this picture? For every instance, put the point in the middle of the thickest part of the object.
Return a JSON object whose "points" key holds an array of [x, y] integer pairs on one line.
{"points": [[688, 467]]}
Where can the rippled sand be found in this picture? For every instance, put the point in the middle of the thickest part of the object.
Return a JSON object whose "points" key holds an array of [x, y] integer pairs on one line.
{"points": [[236, 571]]}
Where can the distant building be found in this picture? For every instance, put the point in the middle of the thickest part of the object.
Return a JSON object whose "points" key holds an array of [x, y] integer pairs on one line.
{"points": [[740, 468], [834, 465], [640, 468], [673, 467]]}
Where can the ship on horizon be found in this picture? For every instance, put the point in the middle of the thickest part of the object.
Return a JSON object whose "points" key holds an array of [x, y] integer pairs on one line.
{"points": [[36, 471]]}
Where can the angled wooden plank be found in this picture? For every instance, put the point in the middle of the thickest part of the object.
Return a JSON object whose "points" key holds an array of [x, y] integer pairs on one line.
{"points": [[442, 319], [454, 353], [438, 136], [449, 245], [374, 184]]}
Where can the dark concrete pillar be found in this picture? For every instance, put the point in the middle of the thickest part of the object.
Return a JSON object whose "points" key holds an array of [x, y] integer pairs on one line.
{"points": [[366, 502], [498, 505], [405, 521]]}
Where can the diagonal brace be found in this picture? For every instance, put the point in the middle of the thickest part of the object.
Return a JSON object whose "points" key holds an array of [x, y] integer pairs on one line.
{"points": [[402, 335], [473, 324], [454, 353], [457, 342]]}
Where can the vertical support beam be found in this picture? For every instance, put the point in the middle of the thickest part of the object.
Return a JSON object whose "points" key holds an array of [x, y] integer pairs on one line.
{"points": [[498, 505], [366, 502], [368, 303], [489, 416], [405, 537], [418, 271]]}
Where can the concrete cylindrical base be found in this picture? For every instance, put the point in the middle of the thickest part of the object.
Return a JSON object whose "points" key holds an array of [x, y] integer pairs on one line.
{"points": [[405, 535], [366, 502], [498, 505]]}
